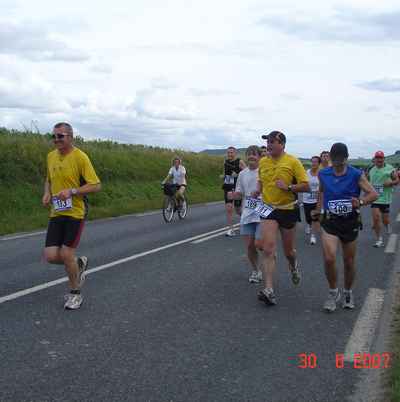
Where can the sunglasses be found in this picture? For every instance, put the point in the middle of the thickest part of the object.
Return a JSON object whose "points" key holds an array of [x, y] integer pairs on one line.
{"points": [[59, 136]]}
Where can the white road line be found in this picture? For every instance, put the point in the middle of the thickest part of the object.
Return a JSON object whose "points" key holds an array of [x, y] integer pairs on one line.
{"points": [[21, 236], [398, 217], [46, 285], [211, 237], [364, 329], [391, 245]]}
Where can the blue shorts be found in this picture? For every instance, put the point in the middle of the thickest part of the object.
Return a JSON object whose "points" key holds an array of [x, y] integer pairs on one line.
{"points": [[252, 229]]}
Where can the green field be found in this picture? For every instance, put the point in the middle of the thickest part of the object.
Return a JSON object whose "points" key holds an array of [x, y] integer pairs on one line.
{"points": [[130, 175]]}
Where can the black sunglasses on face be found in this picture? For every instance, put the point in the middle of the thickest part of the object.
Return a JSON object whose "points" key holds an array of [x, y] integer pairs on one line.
{"points": [[59, 136]]}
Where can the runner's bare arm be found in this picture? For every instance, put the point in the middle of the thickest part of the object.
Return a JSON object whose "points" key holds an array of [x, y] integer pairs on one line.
{"points": [[258, 191], [393, 181], [317, 211], [370, 195], [242, 165], [46, 193], [302, 187], [83, 190]]}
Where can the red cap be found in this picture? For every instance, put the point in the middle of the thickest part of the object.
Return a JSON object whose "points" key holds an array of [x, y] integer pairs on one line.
{"points": [[379, 154]]}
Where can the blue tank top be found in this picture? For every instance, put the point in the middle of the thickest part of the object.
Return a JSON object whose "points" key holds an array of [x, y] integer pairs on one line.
{"points": [[339, 189]]}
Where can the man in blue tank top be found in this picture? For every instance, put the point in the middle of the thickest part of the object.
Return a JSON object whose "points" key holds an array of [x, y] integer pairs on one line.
{"points": [[339, 205]]}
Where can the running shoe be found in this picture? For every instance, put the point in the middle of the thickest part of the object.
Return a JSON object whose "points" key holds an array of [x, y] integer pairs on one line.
{"points": [[74, 301], [313, 240], [330, 304], [379, 243], [255, 277], [83, 263], [267, 296], [296, 274], [230, 233], [348, 301]]}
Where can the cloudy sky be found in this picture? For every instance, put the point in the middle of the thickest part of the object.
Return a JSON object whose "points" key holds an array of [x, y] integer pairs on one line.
{"points": [[205, 74]]}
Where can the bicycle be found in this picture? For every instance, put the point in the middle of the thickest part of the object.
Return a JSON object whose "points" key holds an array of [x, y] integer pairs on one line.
{"points": [[170, 203]]}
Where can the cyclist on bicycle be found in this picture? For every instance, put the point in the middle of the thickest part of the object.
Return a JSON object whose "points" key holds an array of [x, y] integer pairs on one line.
{"points": [[177, 174]]}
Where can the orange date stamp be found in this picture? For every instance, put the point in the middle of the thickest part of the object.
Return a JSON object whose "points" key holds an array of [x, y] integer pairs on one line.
{"points": [[358, 360]]}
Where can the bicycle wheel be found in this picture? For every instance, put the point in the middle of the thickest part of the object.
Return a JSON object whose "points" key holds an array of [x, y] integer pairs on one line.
{"points": [[182, 211], [168, 209]]}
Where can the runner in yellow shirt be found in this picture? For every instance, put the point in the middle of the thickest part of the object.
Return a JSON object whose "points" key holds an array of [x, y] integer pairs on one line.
{"points": [[281, 177], [70, 176]]}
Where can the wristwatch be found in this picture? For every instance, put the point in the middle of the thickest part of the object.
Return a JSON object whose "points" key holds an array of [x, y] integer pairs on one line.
{"points": [[290, 187], [74, 191], [361, 202]]}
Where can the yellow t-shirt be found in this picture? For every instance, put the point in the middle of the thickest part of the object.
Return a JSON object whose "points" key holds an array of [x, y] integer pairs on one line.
{"points": [[287, 168], [66, 172]]}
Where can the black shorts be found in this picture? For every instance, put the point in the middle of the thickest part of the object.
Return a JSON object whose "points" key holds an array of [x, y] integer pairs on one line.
{"points": [[384, 208], [345, 228], [236, 203], [286, 218], [64, 231], [307, 211]]}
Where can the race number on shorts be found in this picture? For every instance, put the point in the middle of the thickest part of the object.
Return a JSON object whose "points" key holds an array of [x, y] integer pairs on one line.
{"points": [[60, 205], [340, 207], [263, 210]]}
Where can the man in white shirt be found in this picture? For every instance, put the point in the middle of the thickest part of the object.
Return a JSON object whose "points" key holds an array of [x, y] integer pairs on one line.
{"points": [[250, 227]]}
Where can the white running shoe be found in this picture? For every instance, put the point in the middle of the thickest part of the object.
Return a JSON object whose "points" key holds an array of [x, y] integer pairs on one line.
{"points": [[330, 304], [74, 301], [379, 243], [313, 240], [295, 273], [348, 300], [255, 277], [230, 233]]}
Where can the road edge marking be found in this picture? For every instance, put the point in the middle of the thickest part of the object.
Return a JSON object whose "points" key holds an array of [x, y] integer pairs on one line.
{"points": [[364, 329]]}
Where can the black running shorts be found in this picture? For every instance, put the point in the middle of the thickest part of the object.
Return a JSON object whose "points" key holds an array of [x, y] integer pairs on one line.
{"points": [[307, 211], [346, 229], [384, 208], [64, 231], [286, 218]]}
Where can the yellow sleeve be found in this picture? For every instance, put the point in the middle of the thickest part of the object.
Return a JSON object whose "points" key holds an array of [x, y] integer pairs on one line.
{"points": [[87, 171], [300, 173]]}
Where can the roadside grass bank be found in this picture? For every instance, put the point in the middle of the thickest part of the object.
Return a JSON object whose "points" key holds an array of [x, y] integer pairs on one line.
{"points": [[131, 178]]}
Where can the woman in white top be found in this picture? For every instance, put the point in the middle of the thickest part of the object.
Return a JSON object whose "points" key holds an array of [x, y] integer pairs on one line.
{"points": [[177, 174], [310, 199]]}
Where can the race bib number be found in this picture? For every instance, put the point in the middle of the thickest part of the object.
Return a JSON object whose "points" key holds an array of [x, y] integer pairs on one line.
{"points": [[379, 189], [263, 209], [314, 195], [229, 179], [251, 203], [340, 207], [60, 205]]}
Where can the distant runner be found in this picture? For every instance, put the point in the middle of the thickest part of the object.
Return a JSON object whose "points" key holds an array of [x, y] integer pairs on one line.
{"points": [[340, 188], [278, 211], [310, 199], [232, 168], [250, 226], [70, 176], [325, 159], [383, 177]]}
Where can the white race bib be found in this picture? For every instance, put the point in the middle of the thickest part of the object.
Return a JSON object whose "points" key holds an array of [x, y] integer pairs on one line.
{"points": [[379, 189], [251, 203], [263, 209], [314, 195], [340, 207], [229, 179], [60, 205]]}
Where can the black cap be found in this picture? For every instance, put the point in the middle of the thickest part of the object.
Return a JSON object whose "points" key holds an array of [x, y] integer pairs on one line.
{"points": [[275, 135], [339, 149]]}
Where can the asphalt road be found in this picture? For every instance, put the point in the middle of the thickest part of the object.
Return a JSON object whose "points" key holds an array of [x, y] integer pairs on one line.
{"points": [[180, 323]]}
